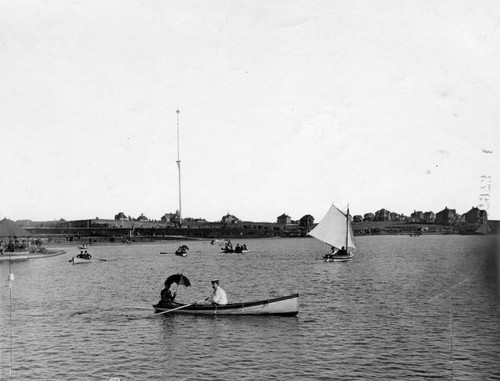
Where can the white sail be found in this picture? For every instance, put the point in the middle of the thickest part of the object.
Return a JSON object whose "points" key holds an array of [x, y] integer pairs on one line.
{"points": [[335, 230]]}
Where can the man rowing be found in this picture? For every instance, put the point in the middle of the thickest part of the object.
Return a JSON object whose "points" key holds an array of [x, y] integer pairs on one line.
{"points": [[219, 295]]}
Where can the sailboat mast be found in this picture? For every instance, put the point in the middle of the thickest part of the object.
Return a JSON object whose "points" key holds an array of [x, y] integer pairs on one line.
{"points": [[179, 166], [347, 229]]}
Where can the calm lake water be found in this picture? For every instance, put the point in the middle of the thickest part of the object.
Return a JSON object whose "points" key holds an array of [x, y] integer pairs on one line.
{"points": [[405, 308]]}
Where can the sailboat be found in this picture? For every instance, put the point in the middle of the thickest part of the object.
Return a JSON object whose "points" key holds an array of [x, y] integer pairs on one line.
{"points": [[335, 229]]}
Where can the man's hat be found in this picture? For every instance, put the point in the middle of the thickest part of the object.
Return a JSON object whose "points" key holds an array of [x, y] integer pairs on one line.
{"points": [[215, 281]]}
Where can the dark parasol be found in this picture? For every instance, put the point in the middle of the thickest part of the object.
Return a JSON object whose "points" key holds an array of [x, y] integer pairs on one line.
{"points": [[180, 279]]}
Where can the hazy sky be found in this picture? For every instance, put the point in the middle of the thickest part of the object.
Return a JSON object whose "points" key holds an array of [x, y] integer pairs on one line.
{"points": [[285, 107]]}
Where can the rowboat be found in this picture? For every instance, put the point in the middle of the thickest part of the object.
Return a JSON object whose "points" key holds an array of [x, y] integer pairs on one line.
{"points": [[76, 260], [282, 306], [234, 251]]}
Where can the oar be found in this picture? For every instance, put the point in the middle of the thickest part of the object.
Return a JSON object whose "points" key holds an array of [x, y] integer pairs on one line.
{"points": [[178, 308]]}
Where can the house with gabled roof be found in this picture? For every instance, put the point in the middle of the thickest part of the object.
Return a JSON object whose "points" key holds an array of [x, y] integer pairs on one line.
{"points": [[446, 216]]}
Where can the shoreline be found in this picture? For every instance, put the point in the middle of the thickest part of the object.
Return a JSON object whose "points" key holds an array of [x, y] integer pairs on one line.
{"points": [[24, 256]]}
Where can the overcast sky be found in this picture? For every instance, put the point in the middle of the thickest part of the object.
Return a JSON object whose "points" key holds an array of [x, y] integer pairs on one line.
{"points": [[285, 107]]}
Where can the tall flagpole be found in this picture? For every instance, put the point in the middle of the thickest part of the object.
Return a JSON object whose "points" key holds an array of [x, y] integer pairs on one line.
{"points": [[179, 166]]}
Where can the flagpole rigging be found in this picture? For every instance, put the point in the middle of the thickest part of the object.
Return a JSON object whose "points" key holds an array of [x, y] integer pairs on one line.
{"points": [[179, 166]]}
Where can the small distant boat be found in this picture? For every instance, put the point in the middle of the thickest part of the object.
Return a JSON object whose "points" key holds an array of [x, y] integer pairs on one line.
{"points": [[236, 250], [219, 241], [282, 306], [83, 247], [335, 229], [182, 251], [81, 258], [76, 260]]}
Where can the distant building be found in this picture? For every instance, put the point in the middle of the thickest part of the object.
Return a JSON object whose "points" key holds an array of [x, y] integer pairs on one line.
{"points": [[229, 219], [396, 216], [368, 217], [307, 221], [121, 216], [382, 215], [357, 218], [169, 217], [446, 216], [476, 216], [417, 216], [284, 219], [142, 217], [429, 217]]}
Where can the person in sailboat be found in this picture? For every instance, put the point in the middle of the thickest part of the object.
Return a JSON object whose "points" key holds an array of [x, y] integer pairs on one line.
{"points": [[342, 251]]}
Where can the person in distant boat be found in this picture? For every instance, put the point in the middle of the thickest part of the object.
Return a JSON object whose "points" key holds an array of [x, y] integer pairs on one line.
{"points": [[229, 245], [342, 251], [219, 295], [238, 247], [244, 247]]}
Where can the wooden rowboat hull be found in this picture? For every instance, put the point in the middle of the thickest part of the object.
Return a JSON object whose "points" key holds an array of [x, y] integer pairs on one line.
{"points": [[283, 306], [76, 260]]}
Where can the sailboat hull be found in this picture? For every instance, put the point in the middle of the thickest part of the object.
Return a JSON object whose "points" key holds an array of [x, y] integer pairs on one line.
{"points": [[338, 258]]}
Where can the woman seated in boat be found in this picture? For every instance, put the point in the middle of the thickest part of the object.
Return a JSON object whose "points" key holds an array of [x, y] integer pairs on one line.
{"points": [[166, 296]]}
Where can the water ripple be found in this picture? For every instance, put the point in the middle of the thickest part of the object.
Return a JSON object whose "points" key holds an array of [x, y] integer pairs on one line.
{"points": [[398, 311]]}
